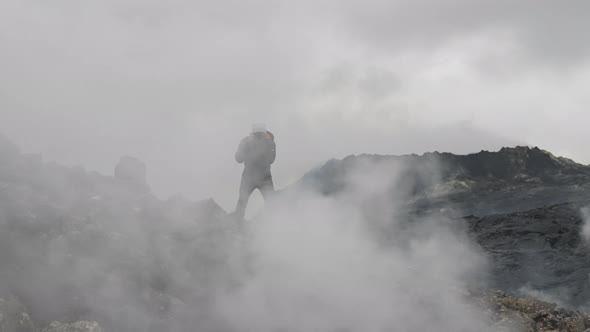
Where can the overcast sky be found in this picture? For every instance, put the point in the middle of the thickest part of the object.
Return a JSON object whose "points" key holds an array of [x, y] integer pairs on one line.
{"points": [[177, 83]]}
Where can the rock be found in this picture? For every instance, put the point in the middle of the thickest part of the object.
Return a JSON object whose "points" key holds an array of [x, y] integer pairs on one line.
{"points": [[132, 171], [77, 244], [539, 249], [510, 320], [82, 326], [524, 305], [484, 183], [525, 314], [14, 317], [7, 148]]}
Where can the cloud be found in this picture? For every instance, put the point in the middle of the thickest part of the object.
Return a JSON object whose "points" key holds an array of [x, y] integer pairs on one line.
{"points": [[546, 30]]}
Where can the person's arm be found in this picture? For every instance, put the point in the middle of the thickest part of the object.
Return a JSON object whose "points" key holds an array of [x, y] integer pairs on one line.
{"points": [[240, 154], [273, 151]]}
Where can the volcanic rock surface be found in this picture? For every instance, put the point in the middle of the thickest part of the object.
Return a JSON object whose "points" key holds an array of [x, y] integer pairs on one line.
{"points": [[485, 183], [80, 246], [81, 251], [521, 205]]}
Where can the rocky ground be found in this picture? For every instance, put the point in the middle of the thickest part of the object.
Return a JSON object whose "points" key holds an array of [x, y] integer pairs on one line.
{"points": [[481, 184], [77, 246], [507, 313], [81, 251], [14, 317], [525, 314], [540, 249], [522, 205]]}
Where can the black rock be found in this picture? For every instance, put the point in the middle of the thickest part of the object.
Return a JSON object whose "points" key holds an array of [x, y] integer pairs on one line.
{"points": [[538, 250]]}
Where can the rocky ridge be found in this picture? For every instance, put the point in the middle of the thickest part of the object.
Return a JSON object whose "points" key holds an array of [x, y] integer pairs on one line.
{"points": [[484, 183], [521, 205]]}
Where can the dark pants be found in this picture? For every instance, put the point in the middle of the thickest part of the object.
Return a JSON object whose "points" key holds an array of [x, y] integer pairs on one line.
{"points": [[248, 185]]}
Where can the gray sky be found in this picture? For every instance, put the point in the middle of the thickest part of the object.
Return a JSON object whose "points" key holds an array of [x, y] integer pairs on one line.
{"points": [[178, 83]]}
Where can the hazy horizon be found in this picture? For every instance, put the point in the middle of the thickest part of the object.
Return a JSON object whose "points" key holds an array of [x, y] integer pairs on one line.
{"points": [[179, 84]]}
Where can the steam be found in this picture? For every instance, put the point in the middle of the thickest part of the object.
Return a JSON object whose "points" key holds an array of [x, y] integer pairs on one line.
{"points": [[319, 267], [84, 246], [549, 297]]}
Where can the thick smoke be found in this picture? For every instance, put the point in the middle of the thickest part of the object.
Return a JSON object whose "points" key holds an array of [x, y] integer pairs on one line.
{"points": [[318, 266], [78, 245], [318, 269]]}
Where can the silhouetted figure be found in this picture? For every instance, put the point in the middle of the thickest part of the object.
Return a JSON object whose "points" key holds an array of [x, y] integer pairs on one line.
{"points": [[257, 152]]}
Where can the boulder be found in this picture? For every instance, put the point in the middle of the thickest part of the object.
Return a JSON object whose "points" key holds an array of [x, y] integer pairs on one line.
{"points": [[132, 171], [7, 147]]}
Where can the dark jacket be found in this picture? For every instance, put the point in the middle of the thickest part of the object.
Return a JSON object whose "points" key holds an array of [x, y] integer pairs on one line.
{"points": [[257, 152]]}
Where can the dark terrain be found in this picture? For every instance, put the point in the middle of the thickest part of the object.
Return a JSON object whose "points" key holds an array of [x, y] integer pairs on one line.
{"points": [[522, 205], [77, 246], [513, 179]]}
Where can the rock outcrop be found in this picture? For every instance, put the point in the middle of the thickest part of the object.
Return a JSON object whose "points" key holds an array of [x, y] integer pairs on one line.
{"points": [[7, 148], [513, 179], [523, 206], [132, 171], [77, 246], [529, 315], [538, 250]]}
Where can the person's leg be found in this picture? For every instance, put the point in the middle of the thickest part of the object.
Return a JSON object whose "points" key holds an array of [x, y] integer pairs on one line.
{"points": [[267, 188], [246, 189]]}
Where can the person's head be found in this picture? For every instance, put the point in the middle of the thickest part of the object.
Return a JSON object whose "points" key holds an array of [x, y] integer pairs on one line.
{"points": [[258, 128]]}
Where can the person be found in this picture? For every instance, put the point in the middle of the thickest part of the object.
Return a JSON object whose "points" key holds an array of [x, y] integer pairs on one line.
{"points": [[257, 152]]}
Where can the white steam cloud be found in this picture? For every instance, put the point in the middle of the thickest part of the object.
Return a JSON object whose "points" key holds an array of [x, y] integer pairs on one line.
{"points": [[317, 266]]}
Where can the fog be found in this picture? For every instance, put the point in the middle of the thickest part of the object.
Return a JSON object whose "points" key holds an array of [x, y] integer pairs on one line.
{"points": [[319, 270], [178, 83], [76, 245], [320, 265]]}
